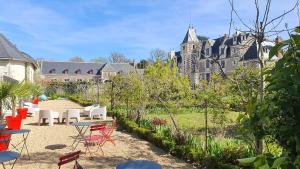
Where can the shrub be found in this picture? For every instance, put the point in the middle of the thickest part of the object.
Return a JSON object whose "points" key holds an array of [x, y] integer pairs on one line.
{"points": [[158, 122]]}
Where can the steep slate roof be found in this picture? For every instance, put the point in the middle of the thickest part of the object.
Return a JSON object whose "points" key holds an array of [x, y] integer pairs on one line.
{"points": [[59, 67], [251, 53], [9, 51], [190, 36], [118, 67]]}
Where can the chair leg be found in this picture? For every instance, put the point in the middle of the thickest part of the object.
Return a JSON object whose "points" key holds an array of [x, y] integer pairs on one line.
{"points": [[51, 122], [3, 166]]}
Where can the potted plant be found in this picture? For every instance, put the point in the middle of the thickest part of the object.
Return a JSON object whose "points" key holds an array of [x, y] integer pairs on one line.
{"points": [[18, 91], [5, 89]]}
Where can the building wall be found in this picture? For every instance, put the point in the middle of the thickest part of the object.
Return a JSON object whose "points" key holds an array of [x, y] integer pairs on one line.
{"points": [[3, 67], [66, 78]]}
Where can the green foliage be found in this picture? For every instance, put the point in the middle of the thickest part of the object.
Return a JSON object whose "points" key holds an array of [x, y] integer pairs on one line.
{"points": [[282, 103], [165, 86]]}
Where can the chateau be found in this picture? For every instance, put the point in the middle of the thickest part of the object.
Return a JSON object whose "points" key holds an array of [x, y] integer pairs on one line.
{"points": [[198, 54]]}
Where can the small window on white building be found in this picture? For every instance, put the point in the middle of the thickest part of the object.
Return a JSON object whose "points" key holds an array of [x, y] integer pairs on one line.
{"points": [[79, 80], [67, 80]]}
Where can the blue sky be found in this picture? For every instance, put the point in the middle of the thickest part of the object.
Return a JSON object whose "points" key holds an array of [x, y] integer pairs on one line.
{"points": [[60, 29]]}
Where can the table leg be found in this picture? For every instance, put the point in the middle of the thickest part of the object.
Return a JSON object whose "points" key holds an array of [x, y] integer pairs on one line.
{"points": [[25, 144], [78, 135], [81, 135]]}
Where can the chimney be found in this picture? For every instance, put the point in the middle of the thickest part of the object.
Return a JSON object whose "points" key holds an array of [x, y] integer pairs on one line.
{"points": [[278, 39]]}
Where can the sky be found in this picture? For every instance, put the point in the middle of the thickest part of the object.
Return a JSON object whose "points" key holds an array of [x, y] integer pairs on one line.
{"points": [[61, 29]]}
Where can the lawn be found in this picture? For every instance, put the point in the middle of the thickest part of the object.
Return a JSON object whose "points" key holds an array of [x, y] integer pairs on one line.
{"points": [[192, 119]]}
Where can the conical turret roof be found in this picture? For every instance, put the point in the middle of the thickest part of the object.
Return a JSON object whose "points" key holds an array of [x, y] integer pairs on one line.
{"points": [[190, 36]]}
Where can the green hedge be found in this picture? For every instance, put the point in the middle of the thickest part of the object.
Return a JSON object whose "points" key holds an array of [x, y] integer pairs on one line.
{"points": [[80, 101]]}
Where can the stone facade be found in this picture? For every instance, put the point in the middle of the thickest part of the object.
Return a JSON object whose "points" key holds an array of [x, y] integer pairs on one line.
{"points": [[198, 54]]}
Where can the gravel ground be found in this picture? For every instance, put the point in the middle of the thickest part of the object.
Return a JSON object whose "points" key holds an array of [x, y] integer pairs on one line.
{"points": [[42, 140]]}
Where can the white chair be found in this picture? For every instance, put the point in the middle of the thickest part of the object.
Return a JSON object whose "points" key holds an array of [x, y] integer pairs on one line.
{"points": [[32, 108], [7, 113], [71, 113], [88, 110], [100, 112], [48, 114]]}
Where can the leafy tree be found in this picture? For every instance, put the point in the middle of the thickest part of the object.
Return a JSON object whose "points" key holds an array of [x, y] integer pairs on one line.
{"points": [[283, 99], [143, 64], [214, 94], [165, 87]]}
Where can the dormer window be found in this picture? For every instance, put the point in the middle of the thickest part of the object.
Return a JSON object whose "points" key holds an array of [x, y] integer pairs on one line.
{"points": [[52, 71], [78, 71], [90, 71], [66, 71]]}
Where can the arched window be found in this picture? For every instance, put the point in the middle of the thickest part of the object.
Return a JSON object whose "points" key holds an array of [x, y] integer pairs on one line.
{"points": [[78, 71], [52, 71]]}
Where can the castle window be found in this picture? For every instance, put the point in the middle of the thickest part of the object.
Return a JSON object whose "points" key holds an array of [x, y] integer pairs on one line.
{"points": [[193, 46], [223, 63], [207, 76], [207, 63], [183, 47], [207, 51], [66, 71], [52, 71]]}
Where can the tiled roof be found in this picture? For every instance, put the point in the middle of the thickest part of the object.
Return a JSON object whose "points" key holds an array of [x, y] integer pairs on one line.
{"points": [[118, 67], [10, 51], [72, 67]]}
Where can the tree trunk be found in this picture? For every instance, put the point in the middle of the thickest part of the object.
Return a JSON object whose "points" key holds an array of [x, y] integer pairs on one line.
{"points": [[206, 127]]}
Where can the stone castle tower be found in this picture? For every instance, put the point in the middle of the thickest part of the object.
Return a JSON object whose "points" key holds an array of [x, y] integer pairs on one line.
{"points": [[189, 50]]}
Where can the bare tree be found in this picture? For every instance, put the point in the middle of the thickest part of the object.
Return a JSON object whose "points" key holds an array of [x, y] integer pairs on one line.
{"points": [[157, 54], [76, 59], [116, 57], [263, 27], [100, 60]]}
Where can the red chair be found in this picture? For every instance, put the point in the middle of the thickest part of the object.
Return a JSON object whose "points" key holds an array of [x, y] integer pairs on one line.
{"points": [[107, 132], [69, 158], [14, 123], [96, 139], [22, 112], [4, 141], [35, 101]]}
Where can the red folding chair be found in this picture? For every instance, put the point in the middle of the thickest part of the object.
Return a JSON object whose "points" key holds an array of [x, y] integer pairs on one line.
{"points": [[69, 158], [4, 141], [95, 139], [107, 132]]}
